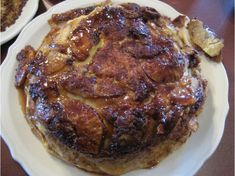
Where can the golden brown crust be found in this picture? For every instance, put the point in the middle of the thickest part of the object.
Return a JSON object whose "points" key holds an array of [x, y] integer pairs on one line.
{"points": [[24, 57], [111, 85], [57, 19], [147, 158], [88, 126]]}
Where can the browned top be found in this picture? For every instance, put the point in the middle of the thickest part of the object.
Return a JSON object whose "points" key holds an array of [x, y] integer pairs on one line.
{"points": [[118, 83]]}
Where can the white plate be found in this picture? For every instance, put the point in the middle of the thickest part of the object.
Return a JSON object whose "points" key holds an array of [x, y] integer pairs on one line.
{"points": [[29, 152], [26, 15]]}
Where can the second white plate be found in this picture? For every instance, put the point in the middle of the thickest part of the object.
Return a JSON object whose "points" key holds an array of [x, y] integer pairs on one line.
{"points": [[26, 15]]}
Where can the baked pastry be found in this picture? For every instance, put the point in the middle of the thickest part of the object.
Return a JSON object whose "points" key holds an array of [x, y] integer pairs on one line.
{"points": [[10, 11], [114, 88]]}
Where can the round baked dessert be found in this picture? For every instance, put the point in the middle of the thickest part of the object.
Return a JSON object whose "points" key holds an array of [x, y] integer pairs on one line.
{"points": [[116, 88]]}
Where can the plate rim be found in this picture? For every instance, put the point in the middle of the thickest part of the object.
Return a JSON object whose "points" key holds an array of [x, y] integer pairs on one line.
{"points": [[20, 159]]}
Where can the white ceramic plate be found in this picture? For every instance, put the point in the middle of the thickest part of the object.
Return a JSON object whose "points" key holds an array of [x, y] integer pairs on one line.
{"points": [[26, 15], [29, 152]]}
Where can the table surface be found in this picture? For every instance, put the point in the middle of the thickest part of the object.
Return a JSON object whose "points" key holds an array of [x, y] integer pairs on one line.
{"points": [[217, 14]]}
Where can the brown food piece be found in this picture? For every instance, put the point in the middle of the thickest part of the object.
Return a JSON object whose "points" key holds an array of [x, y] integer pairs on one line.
{"points": [[57, 19], [24, 58], [87, 124], [91, 87], [206, 40], [166, 67], [179, 21], [82, 40]]}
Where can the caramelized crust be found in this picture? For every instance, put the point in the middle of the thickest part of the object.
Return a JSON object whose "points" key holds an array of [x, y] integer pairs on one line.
{"points": [[112, 82], [57, 19], [88, 126], [24, 57]]}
